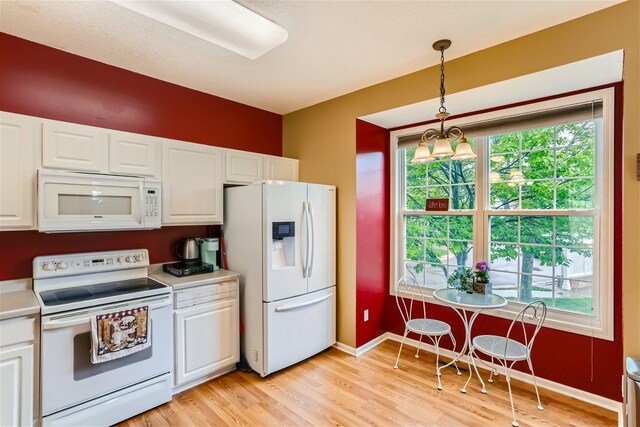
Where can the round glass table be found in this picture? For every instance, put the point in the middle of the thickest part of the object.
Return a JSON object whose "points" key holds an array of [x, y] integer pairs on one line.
{"points": [[463, 303]]}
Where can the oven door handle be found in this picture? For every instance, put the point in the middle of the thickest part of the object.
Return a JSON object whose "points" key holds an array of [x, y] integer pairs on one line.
{"points": [[57, 322]]}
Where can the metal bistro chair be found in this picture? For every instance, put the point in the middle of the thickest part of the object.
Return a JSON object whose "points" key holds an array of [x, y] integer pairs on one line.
{"points": [[407, 290], [507, 351]]}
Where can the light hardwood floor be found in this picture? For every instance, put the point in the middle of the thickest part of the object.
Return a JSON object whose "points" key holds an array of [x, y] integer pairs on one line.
{"points": [[334, 388]]}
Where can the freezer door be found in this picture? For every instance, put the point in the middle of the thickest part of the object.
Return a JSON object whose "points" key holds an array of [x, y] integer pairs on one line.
{"points": [[322, 218], [298, 328], [285, 259]]}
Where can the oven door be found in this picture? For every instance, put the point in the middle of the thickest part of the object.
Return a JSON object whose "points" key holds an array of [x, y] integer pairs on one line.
{"points": [[75, 202], [68, 376]]}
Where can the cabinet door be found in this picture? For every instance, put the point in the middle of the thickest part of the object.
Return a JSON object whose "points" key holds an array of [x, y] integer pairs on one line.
{"points": [[207, 339], [16, 386], [322, 215], [131, 154], [17, 172], [242, 167], [191, 183], [281, 169], [74, 147]]}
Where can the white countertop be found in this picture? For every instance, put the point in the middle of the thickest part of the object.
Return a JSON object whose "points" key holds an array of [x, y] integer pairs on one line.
{"points": [[178, 283], [18, 303]]}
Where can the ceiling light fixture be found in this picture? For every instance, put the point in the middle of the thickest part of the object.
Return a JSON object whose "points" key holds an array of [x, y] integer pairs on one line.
{"points": [[222, 22], [443, 137]]}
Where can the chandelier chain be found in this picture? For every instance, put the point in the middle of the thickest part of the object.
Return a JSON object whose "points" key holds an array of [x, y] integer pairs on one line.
{"points": [[442, 108]]}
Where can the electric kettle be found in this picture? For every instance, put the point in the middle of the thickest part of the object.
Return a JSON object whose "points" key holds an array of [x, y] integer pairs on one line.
{"points": [[188, 250]]}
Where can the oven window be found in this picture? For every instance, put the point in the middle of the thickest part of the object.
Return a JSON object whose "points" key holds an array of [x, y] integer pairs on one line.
{"points": [[79, 204]]}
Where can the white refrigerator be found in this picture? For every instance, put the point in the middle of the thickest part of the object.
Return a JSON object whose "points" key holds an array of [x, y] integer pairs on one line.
{"points": [[281, 236]]}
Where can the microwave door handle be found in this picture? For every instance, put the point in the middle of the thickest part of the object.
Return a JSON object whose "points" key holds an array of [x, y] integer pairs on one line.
{"points": [[141, 193]]}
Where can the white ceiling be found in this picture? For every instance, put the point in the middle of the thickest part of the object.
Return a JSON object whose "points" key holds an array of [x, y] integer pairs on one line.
{"points": [[334, 47]]}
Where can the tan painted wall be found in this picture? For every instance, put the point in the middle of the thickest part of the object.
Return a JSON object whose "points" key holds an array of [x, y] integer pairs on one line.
{"points": [[323, 136]]}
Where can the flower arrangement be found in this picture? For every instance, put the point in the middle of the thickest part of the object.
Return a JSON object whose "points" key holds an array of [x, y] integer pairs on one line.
{"points": [[461, 279], [482, 272]]}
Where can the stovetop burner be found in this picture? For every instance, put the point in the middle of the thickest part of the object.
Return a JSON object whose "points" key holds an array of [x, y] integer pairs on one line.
{"points": [[101, 290], [180, 269]]}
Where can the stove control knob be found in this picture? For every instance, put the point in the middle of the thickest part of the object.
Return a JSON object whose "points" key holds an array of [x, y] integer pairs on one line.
{"points": [[48, 266], [129, 258], [139, 257], [61, 265], [119, 259]]}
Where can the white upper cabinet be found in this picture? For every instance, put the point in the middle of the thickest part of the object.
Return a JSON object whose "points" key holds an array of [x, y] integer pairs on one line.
{"points": [[281, 168], [17, 172], [132, 154], [191, 183], [242, 167], [74, 147]]}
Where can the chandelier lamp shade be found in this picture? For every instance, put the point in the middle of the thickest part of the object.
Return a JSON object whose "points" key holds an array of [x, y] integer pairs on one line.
{"points": [[442, 138]]}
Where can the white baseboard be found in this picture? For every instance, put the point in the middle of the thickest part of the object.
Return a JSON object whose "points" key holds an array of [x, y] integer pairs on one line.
{"points": [[563, 389], [363, 348]]}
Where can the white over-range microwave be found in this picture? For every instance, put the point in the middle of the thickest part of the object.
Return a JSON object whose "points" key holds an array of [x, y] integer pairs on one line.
{"points": [[71, 201]]}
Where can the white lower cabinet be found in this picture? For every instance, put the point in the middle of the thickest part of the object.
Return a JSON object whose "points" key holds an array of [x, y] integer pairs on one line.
{"points": [[206, 338], [17, 372]]}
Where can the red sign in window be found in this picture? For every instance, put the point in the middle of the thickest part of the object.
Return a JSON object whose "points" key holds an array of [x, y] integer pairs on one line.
{"points": [[437, 205]]}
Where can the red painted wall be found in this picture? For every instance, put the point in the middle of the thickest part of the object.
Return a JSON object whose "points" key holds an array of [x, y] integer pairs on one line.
{"points": [[579, 361], [372, 229], [44, 82]]}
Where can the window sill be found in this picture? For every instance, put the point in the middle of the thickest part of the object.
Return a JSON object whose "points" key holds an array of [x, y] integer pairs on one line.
{"points": [[556, 319]]}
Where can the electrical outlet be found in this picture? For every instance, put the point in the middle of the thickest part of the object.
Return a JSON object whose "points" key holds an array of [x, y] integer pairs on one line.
{"points": [[366, 315]]}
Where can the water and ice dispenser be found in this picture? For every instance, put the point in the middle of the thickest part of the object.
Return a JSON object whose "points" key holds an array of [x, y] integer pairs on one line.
{"points": [[283, 244]]}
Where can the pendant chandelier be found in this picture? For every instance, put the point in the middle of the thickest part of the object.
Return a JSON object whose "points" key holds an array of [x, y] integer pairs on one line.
{"points": [[443, 137]]}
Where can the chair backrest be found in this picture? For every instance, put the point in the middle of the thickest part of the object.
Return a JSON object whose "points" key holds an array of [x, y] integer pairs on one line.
{"points": [[407, 291], [535, 312]]}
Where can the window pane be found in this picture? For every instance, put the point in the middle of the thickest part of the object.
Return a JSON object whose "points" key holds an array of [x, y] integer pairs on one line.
{"points": [[575, 194], [504, 257], [414, 249], [505, 143], [414, 270], [414, 226], [462, 197], [461, 254], [436, 251], [504, 228], [505, 285], [576, 161], [416, 198], [538, 165], [438, 172], [536, 260], [438, 192], [504, 196], [416, 175], [536, 229], [535, 139], [535, 287], [435, 276], [502, 164], [461, 227], [574, 263], [436, 226], [574, 295], [537, 195], [574, 231], [463, 172], [576, 133]]}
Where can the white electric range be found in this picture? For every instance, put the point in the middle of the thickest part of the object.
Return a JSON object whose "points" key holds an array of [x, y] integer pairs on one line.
{"points": [[71, 290]]}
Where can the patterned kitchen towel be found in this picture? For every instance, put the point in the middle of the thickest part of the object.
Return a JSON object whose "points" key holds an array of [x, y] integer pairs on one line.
{"points": [[118, 334]]}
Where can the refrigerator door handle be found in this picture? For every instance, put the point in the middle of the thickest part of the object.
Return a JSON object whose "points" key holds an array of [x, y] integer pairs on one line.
{"points": [[302, 304], [313, 240], [305, 214]]}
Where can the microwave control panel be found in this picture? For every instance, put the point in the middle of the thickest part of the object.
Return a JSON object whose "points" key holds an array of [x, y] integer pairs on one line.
{"points": [[151, 202]]}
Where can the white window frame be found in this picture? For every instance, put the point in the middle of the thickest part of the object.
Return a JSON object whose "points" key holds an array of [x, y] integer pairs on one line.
{"points": [[598, 325]]}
